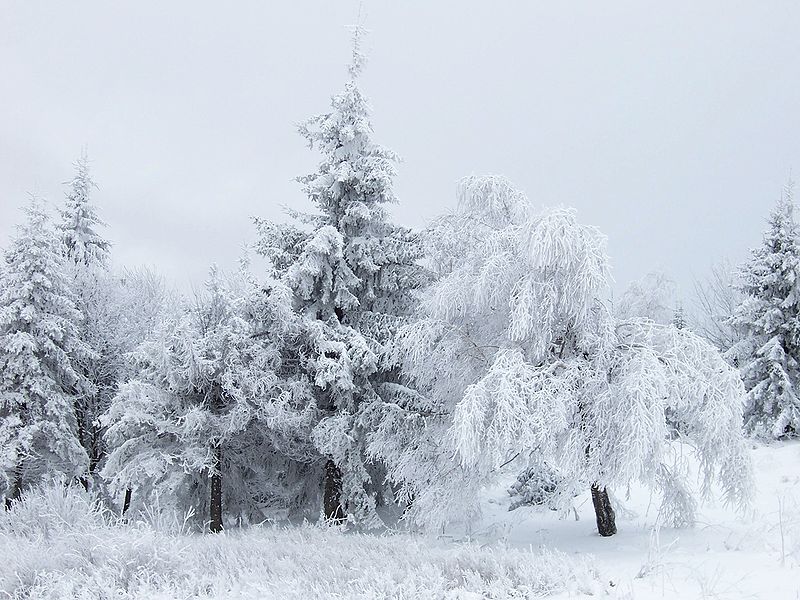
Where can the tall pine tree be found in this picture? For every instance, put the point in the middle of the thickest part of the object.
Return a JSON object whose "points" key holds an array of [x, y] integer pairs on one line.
{"points": [[353, 273], [769, 318], [96, 291], [39, 341]]}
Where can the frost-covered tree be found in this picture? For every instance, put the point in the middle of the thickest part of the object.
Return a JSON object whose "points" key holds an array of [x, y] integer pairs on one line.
{"points": [[716, 299], [516, 353], [39, 342], [210, 408], [122, 310], [654, 297], [769, 317], [95, 287], [352, 272], [83, 244]]}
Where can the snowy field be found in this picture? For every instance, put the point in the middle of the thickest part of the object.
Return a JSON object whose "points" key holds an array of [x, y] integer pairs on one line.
{"points": [[53, 546], [725, 556]]}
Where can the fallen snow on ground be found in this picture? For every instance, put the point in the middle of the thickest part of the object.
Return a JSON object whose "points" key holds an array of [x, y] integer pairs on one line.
{"points": [[726, 556], [54, 546]]}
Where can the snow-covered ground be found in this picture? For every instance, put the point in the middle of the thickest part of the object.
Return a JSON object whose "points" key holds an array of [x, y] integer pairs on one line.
{"points": [[727, 555], [55, 548]]}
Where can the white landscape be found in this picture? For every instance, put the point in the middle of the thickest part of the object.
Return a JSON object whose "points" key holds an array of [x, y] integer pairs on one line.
{"points": [[460, 399]]}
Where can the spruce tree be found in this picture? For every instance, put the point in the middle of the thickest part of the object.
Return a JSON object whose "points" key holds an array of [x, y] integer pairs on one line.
{"points": [[208, 423], [79, 220], [39, 342], [96, 292], [353, 273], [769, 317]]}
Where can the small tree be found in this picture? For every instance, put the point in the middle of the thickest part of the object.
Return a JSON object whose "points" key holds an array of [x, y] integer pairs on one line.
{"points": [[39, 341], [716, 300], [517, 353], [208, 406], [769, 317]]}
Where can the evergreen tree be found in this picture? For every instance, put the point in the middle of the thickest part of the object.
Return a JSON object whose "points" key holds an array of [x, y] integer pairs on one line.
{"points": [[769, 317], [353, 274], [39, 342], [96, 291], [208, 423], [79, 221]]}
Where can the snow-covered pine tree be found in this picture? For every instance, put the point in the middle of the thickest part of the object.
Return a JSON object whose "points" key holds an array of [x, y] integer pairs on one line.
{"points": [[517, 354], [79, 220], [87, 256], [769, 317], [39, 340], [353, 274], [209, 423]]}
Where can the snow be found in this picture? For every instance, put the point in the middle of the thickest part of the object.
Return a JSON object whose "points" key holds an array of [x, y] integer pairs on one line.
{"points": [[54, 546], [726, 555]]}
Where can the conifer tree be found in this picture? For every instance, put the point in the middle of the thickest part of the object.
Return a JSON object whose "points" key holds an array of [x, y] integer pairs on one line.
{"points": [[353, 274], [39, 342], [96, 291], [79, 220], [769, 317], [200, 424]]}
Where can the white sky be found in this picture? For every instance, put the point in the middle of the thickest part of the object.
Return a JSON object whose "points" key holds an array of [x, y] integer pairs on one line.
{"points": [[672, 125]]}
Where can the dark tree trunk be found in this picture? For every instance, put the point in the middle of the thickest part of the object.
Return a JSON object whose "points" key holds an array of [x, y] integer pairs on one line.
{"points": [[606, 519], [216, 492], [96, 454], [15, 489], [83, 438], [126, 503], [332, 493]]}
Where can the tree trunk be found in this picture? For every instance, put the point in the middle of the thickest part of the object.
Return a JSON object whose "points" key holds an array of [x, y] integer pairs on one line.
{"points": [[332, 493], [15, 489], [216, 492], [126, 503], [606, 519]]}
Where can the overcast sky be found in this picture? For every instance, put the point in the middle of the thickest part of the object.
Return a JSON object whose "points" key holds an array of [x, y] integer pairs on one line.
{"points": [[670, 125]]}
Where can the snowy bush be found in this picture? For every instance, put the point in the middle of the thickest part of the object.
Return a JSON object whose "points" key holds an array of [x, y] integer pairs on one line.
{"points": [[541, 485]]}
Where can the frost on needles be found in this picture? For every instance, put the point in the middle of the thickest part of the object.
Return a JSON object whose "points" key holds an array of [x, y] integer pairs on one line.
{"points": [[352, 273], [40, 344], [768, 320]]}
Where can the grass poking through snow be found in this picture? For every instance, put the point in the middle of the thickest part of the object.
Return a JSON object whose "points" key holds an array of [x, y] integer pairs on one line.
{"points": [[57, 544]]}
